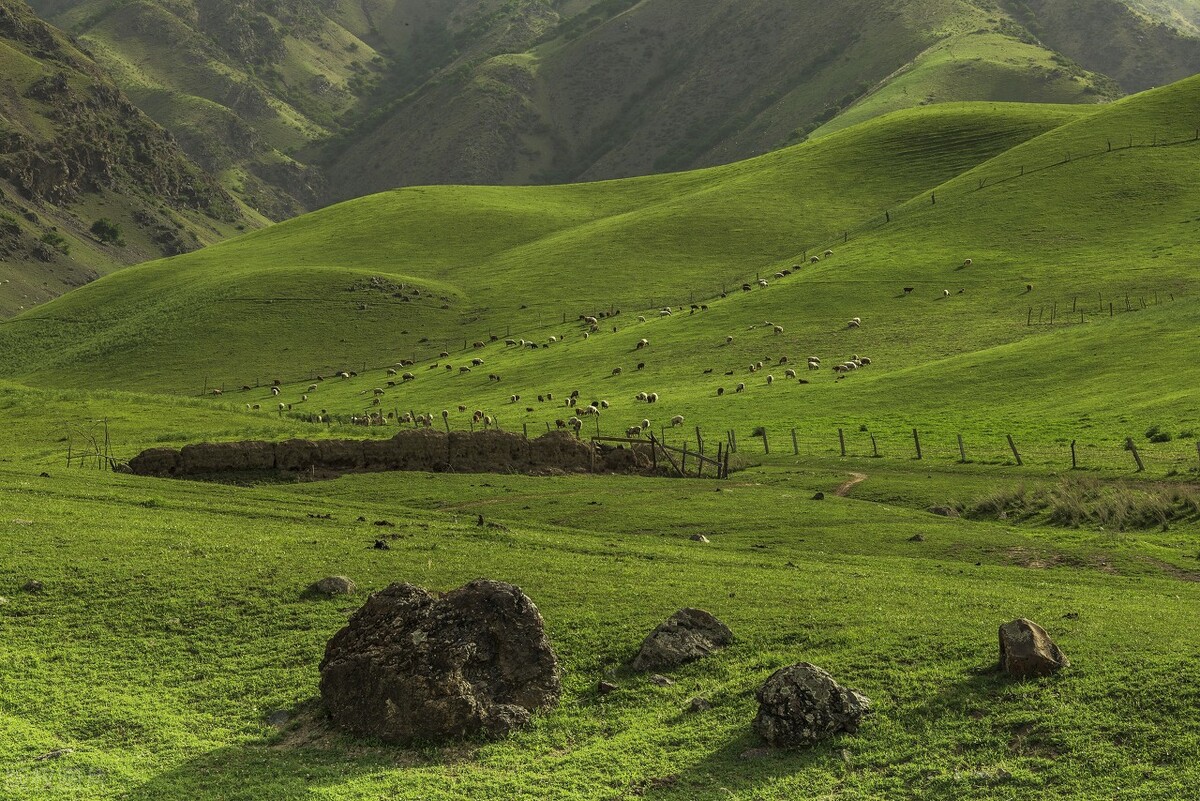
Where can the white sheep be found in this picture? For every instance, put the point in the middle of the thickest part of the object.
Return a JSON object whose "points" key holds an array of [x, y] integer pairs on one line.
{"points": [[729, 340], [652, 397], [391, 371], [677, 421], [409, 376], [770, 380], [945, 293], [603, 404], [968, 263], [645, 424], [641, 319], [762, 282], [789, 373], [740, 388], [814, 260], [641, 343], [828, 253], [854, 323], [641, 396], [616, 371], [274, 391], [778, 329]]}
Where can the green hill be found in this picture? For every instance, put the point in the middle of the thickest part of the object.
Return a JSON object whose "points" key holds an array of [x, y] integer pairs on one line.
{"points": [[1055, 223], [417, 271]]}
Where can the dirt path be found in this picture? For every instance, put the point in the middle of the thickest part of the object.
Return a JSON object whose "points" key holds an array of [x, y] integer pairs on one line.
{"points": [[854, 480]]}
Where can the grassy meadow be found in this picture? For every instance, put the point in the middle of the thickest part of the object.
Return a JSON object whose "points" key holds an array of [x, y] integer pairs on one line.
{"points": [[171, 623]]}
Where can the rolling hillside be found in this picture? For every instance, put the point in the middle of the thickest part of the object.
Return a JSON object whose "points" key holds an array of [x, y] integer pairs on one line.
{"points": [[87, 182], [1031, 194], [417, 271]]}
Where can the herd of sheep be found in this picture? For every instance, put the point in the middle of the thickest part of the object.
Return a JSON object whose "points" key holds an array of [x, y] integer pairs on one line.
{"points": [[591, 324]]}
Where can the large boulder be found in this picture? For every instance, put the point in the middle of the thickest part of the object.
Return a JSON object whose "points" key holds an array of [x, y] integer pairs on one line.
{"points": [[1027, 650], [801, 704], [684, 637], [413, 666]]}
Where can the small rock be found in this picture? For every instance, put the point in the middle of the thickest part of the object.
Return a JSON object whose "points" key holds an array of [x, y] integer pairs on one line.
{"points": [[605, 687], [33, 585], [362, 519], [44, 475], [55, 754], [278, 718], [1027, 650], [479, 521], [380, 545], [686, 636], [916, 538], [385, 523], [801, 704], [1071, 616], [755, 753], [820, 496], [331, 586], [699, 704], [661, 681], [698, 538], [943, 511]]}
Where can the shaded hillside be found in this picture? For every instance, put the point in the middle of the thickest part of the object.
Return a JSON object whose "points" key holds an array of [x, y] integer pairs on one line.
{"points": [[87, 182], [297, 103]]}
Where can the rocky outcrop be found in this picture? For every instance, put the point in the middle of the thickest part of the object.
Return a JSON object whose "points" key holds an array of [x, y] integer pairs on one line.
{"points": [[685, 636], [413, 666], [802, 704], [1026, 650]]}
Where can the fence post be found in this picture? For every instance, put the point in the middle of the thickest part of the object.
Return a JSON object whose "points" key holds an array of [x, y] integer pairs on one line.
{"points": [[917, 440], [766, 444], [842, 441], [1016, 455], [699, 441], [525, 428], [962, 451], [874, 446], [1137, 457], [1074, 461], [795, 443]]}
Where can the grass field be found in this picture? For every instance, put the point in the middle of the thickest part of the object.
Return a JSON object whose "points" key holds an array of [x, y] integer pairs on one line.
{"points": [[171, 622]]}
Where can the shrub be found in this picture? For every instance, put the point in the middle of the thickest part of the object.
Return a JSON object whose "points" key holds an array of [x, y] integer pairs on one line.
{"points": [[107, 231], [57, 241]]}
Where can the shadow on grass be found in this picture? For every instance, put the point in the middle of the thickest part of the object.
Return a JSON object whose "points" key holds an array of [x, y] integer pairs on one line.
{"points": [[304, 757]]}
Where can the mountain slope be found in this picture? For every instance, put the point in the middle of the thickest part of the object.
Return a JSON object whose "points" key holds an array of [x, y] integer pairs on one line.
{"points": [[417, 271], [296, 104], [87, 182]]}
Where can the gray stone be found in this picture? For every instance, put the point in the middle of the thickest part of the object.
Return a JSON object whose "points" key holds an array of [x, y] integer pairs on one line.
{"points": [[331, 586], [802, 704], [661, 681], [699, 704], [686, 636], [1027, 650], [413, 666]]}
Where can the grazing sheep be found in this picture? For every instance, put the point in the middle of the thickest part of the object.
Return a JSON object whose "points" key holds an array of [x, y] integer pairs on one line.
{"points": [[377, 391], [778, 275], [444, 355], [753, 368], [641, 343], [586, 335], [816, 359], [633, 431], [789, 373], [677, 421], [828, 253], [745, 287], [1029, 287], [343, 375], [603, 404], [908, 290], [304, 398], [391, 371], [374, 402], [770, 380], [740, 388], [549, 396], [729, 340], [590, 320], [641, 319], [575, 423], [476, 362], [783, 359], [968, 263], [652, 397], [616, 371], [762, 282], [665, 313], [560, 423], [961, 291], [645, 424], [720, 391], [255, 407], [641, 366], [477, 344], [276, 382], [571, 403], [760, 365], [864, 360], [312, 387], [945, 293], [274, 391], [282, 406], [814, 260], [575, 393], [854, 323], [778, 329], [411, 377], [509, 342], [464, 370]]}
